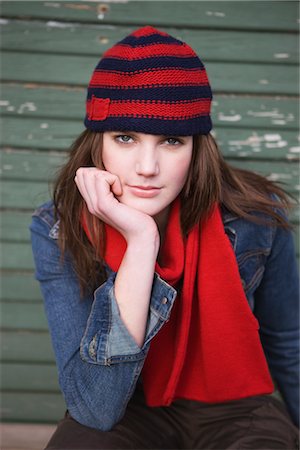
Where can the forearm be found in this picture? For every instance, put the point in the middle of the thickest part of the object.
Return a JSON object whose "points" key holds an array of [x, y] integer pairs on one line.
{"points": [[133, 284]]}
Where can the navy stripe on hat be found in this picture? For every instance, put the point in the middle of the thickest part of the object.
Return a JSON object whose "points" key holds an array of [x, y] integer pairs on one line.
{"points": [[149, 87]]}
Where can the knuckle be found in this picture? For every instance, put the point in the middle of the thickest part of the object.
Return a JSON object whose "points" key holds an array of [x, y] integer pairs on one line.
{"points": [[91, 209]]}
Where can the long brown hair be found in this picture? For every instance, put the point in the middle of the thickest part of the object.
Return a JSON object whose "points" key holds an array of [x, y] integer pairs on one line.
{"points": [[210, 179]]}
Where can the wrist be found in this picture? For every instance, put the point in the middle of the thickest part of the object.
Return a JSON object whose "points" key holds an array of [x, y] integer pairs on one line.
{"points": [[145, 242]]}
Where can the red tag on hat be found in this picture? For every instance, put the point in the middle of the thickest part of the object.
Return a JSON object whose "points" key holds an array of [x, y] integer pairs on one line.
{"points": [[99, 108]]}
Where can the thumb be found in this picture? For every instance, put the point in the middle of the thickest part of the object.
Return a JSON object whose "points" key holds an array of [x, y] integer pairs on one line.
{"points": [[116, 187]]}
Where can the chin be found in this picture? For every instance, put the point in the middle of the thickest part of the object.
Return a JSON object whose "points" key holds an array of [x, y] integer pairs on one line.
{"points": [[146, 206]]}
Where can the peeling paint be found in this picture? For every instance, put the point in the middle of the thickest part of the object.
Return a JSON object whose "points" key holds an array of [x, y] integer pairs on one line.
{"points": [[273, 113], [7, 167], [257, 143], [27, 106], [281, 55], [279, 144], [44, 125], [278, 122], [277, 118], [272, 137], [4, 22], [294, 149], [251, 140], [52, 4], [103, 40], [263, 81], [234, 118], [79, 6], [53, 24], [215, 13], [279, 176], [4, 102], [102, 9]]}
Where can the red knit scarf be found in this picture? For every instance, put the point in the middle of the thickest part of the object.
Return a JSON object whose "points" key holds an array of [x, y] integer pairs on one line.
{"points": [[210, 349]]}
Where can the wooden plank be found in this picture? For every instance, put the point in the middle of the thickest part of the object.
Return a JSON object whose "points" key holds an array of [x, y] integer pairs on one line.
{"points": [[29, 195], [32, 407], [43, 166], [26, 346], [66, 38], [19, 286], [41, 134], [14, 226], [14, 229], [24, 316], [20, 257], [76, 70], [272, 145], [56, 135], [218, 14], [27, 165], [32, 100], [29, 377], [17, 194], [285, 174]]}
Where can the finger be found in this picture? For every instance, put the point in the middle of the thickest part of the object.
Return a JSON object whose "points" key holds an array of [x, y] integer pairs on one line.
{"points": [[116, 186], [84, 180]]}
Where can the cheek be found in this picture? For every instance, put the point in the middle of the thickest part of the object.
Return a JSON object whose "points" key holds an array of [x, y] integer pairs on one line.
{"points": [[182, 169], [111, 162]]}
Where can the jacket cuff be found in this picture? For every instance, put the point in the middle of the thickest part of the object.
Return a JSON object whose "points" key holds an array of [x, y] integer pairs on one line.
{"points": [[106, 339]]}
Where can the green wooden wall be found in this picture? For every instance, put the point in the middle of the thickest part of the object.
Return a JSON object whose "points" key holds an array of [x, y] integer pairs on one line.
{"points": [[49, 50]]}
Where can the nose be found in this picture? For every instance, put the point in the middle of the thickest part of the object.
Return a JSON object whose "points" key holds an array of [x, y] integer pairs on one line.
{"points": [[147, 163]]}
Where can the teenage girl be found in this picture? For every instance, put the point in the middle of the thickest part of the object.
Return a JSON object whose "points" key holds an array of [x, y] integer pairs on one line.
{"points": [[169, 277]]}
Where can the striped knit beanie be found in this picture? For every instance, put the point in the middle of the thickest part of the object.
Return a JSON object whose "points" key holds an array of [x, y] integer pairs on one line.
{"points": [[152, 83]]}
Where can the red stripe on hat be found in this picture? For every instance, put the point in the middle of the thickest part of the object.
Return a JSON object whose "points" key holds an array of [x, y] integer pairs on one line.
{"points": [[155, 50], [150, 78], [147, 31], [144, 108]]}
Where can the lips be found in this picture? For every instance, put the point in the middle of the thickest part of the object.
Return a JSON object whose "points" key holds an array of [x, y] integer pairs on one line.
{"points": [[144, 191]]}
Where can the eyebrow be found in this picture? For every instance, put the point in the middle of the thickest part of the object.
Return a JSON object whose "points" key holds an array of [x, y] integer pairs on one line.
{"points": [[139, 132]]}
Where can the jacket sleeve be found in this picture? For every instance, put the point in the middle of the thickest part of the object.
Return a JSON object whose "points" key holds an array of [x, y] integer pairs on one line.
{"points": [[98, 361], [277, 309]]}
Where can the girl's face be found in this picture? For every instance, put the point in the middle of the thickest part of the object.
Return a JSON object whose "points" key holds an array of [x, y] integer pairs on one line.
{"points": [[152, 169]]}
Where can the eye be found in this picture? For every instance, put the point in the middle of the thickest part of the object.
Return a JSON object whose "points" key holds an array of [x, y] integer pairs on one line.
{"points": [[124, 138], [173, 141]]}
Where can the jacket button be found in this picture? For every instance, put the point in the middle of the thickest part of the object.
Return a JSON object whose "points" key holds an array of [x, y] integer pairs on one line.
{"points": [[164, 300]]}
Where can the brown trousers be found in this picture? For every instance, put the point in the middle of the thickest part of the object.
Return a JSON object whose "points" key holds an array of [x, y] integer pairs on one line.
{"points": [[258, 423]]}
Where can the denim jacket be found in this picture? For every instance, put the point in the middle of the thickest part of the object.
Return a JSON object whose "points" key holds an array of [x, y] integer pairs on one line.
{"points": [[98, 361]]}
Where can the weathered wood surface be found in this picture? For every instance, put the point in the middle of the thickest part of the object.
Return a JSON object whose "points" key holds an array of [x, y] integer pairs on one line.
{"points": [[31, 406], [57, 135], [19, 286], [282, 16], [76, 70], [94, 40], [35, 377], [68, 103], [25, 346], [48, 52]]}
